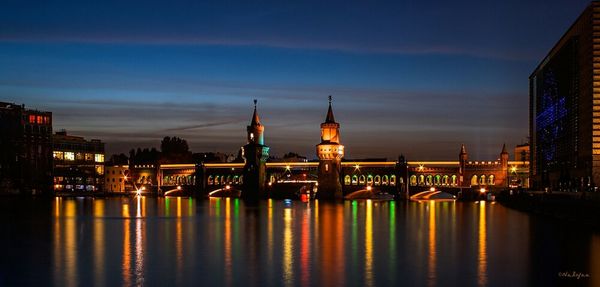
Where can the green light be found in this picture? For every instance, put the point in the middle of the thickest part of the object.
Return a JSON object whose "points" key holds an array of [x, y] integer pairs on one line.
{"points": [[190, 210], [218, 207], [236, 207], [167, 206]]}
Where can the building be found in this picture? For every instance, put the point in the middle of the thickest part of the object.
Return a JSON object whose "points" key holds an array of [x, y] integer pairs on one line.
{"points": [[116, 177], [521, 152], [330, 152], [26, 144], [564, 109], [78, 163]]}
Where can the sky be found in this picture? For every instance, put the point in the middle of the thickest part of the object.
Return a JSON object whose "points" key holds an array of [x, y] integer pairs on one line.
{"points": [[407, 77]]}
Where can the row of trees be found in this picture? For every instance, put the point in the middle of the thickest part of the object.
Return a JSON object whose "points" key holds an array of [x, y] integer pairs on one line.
{"points": [[175, 150]]}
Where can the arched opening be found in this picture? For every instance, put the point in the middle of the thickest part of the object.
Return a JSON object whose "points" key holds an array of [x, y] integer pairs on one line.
{"points": [[491, 180], [482, 180], [474, 180], [241, 179], [377, 180], [438, 179], [217, 180], [445, 180], [421, 179], [361, 180], [454, 179], [236, 179], [354, 180], [369, 180], [429, 180], [347, 180], [393, 180], [413, 180]]}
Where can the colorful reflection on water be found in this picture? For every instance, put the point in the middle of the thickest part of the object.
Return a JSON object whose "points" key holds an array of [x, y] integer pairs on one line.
{"points": [[224, 242]]}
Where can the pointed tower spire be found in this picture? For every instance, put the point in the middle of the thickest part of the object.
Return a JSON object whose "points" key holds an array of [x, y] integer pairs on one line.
{"points": [[504, 148], [255, 119], [330, 118], [463, 150]]}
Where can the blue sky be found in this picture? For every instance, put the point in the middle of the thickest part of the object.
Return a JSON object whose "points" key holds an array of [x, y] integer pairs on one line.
{"points": [[411, 77]]}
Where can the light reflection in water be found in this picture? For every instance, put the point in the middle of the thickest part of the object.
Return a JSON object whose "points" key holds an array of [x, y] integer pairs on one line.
{"points": [[178, 243], [228, 261], [70, 246], [99, 242], [432, 245], [288, 268], [126, 262], [301, 245], [305, 248], [482, 247], [369, 244]]}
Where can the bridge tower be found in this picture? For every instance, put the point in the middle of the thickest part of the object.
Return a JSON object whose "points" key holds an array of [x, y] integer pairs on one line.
{"points": [[330, 153], [255, 154], [462, 160]]}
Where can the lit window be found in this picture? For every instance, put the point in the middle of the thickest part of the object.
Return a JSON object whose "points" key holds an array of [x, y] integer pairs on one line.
{"points": [[40, 119], [32, 119], [100, 170], [69, 155], [99, 157], [59, 155], [89, 157]]}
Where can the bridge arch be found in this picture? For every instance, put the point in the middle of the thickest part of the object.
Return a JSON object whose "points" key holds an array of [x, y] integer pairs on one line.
{"points": [[413, 180], [354, 179], [369, 180], [393, 180], [474, 180], [347, 180], [377, 180], [361, 180], [482, 180], [385, 180], [491, 180]]}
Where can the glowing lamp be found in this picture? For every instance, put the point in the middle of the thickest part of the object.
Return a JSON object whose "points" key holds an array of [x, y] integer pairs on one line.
{"points": [[482, 190], [432, 189]]}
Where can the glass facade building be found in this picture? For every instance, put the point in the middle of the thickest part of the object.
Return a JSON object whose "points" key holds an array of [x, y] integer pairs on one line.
{"points": [[565, 109]]}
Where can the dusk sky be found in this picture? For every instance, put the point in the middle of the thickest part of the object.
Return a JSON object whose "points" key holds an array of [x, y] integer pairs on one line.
{"points": [[411, 77]]}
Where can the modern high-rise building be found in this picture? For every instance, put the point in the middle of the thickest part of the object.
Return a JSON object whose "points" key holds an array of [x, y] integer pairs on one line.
{"points": [[564, 109], [26, 150]]}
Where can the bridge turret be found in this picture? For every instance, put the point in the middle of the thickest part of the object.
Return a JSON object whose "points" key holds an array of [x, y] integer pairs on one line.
{"points": [[330, 153], [255, 154]]}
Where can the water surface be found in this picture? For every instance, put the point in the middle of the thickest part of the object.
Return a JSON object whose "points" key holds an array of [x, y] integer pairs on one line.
{"points": [[224, 242]]}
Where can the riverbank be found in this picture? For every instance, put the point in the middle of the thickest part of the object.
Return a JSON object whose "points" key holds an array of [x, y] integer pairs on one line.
{"points": [[576, 207]]}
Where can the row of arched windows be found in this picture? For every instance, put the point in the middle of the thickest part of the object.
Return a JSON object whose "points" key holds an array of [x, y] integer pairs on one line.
{"points": [[179, 180], [433, 180], [483, 180], [370, 180], [222, 179]]}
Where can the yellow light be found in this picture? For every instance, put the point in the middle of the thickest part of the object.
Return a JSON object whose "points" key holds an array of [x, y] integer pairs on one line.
{"points": [[421, 167], [288, 167], [143, 188], [270, 183], [513, 169], [482, 190], [227, 187], [179, 187], [432, 189], [357, 166], [369, 188]]}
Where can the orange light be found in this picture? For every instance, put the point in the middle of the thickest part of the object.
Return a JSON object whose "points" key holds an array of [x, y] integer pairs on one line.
{"points": [[432, 189], [179, 187], [227, 187], [482, 190], [369, 188]]}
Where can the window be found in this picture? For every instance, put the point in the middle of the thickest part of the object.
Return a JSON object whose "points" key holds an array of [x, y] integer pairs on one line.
{"points": [[59, 155], [89, 157], [99, 157], [32, 119], [326, 167], [69, 155], [78, 156], [100, 169]]}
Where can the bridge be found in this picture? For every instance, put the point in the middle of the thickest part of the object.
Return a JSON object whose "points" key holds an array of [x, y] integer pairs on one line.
{"points": [[331, 176]]}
